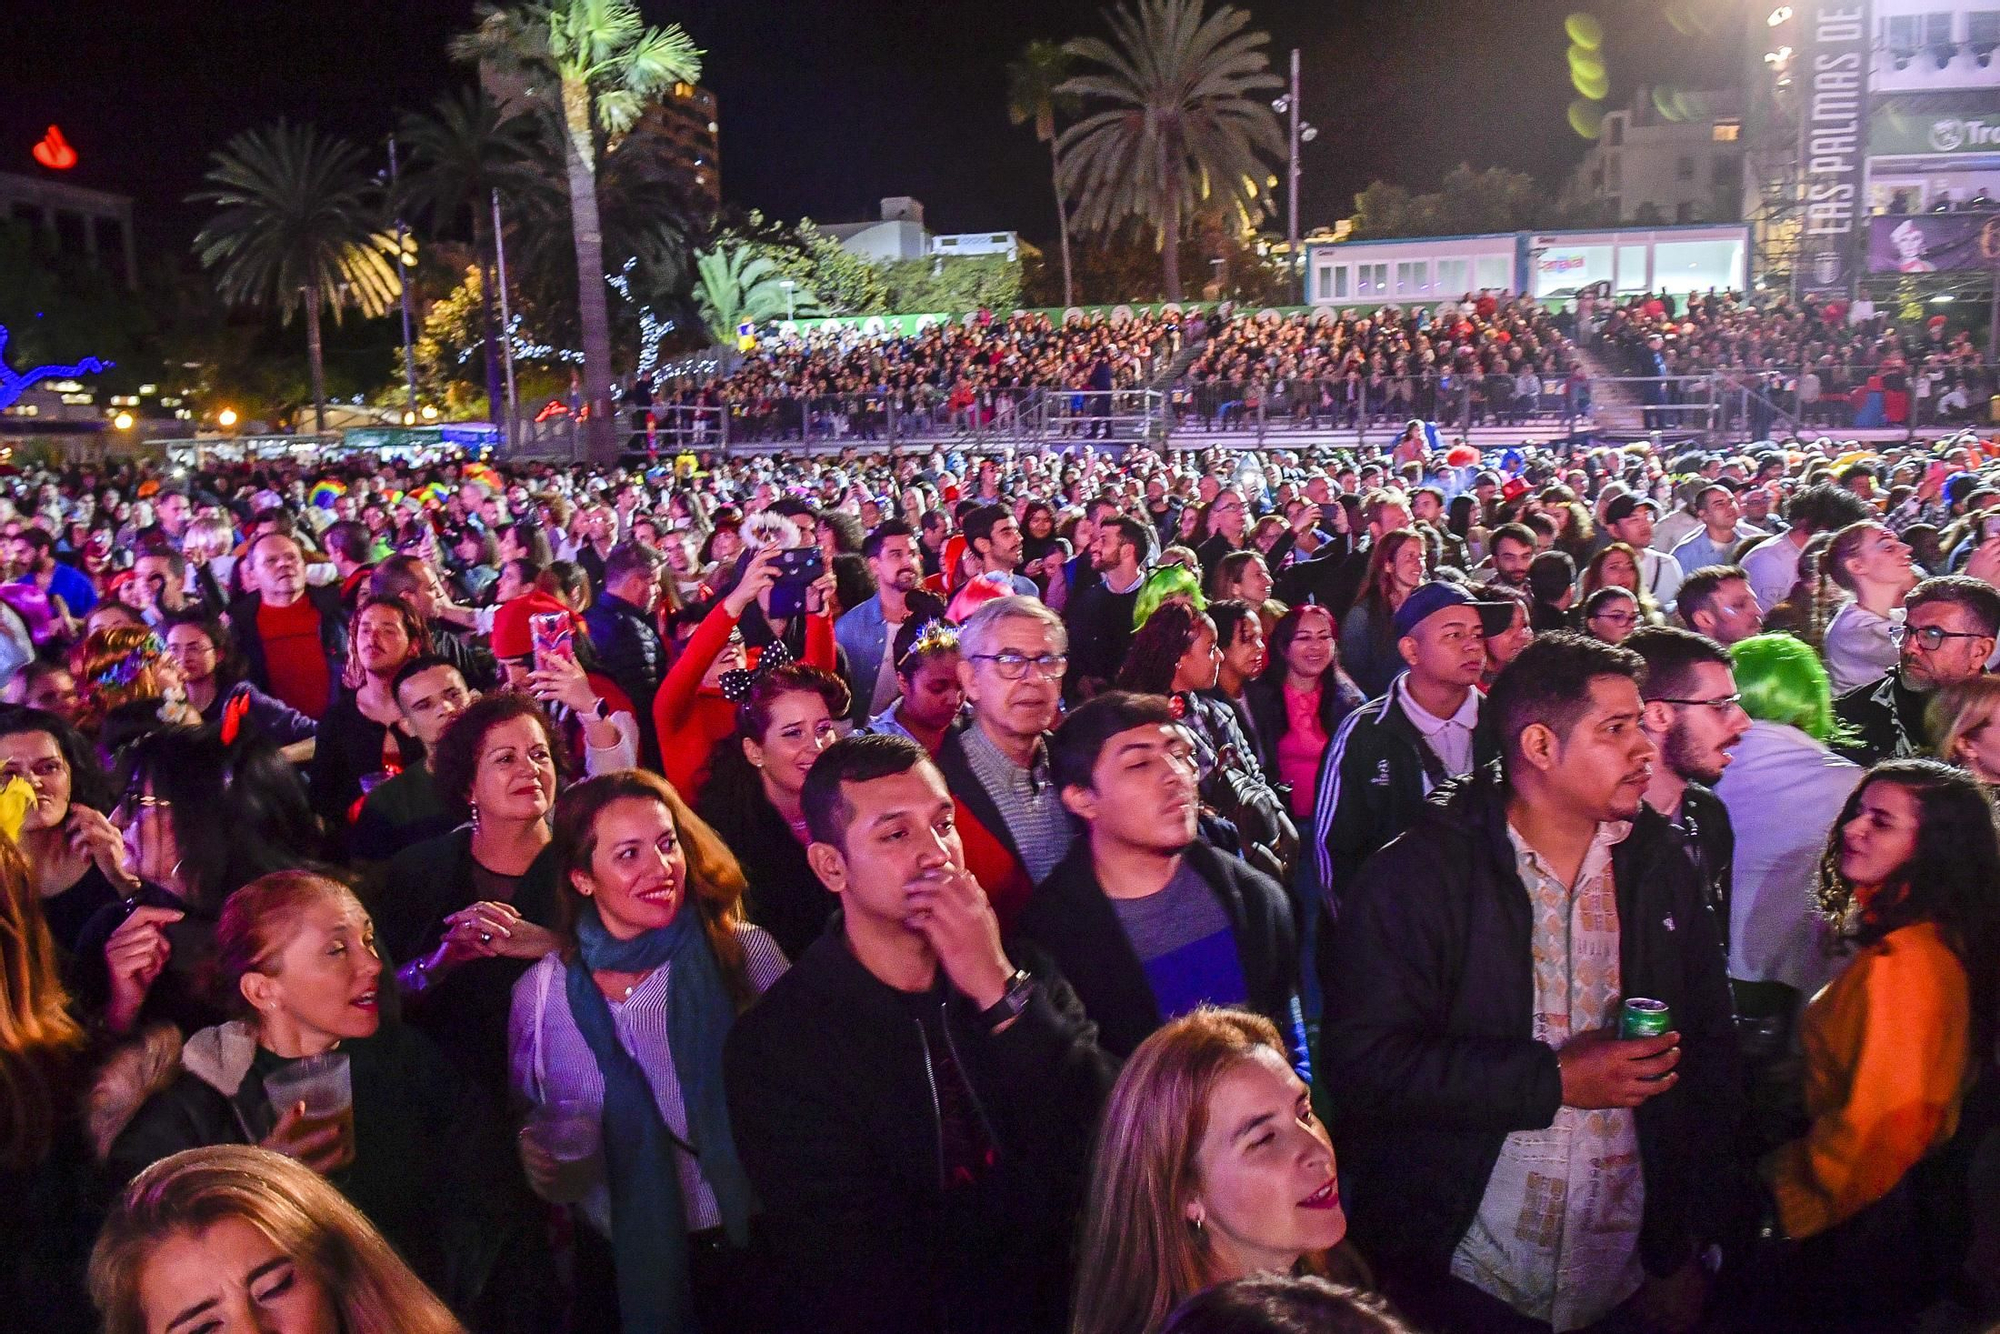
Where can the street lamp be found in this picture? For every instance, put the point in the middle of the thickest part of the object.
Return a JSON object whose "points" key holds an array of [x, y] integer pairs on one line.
{"points": [[226, 418], [1300, 133], [123, 421]]}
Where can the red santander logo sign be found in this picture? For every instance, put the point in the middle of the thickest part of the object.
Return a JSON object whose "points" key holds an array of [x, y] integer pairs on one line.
{"points": [[54, 152]]}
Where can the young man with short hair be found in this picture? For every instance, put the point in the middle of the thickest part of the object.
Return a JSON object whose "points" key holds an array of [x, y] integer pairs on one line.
{"points": [[867, 631], [1099, 619], [1513, 551], [1388, 755], [1629, 519], [912, 1101], [1509, 1162], [1716, 601], [1693, 717], [406, 809], [994, 535], [1146, 920]]}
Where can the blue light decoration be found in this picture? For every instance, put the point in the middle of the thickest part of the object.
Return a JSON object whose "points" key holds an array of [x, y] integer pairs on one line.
{"points": [[13, 383]]}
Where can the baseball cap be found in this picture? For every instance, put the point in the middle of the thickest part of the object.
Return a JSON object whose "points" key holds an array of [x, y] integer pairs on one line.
{"points": [[1434, 597], [1621, 508]]}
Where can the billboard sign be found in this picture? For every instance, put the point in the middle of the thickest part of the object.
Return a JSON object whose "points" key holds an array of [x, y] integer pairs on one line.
{"points": [[1832, 151], [1933, 242], [1898, 130]]}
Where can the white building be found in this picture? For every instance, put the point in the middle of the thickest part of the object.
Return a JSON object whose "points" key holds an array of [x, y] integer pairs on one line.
{"points": [[1549, 266], [1934, 104], [900, 234], [1670, 157]]}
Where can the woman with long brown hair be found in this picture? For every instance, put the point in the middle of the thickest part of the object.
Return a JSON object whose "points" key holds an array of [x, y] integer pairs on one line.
{"points": [[263, 1239], [1396, 567], [1209, 1166], [617, 1040]]}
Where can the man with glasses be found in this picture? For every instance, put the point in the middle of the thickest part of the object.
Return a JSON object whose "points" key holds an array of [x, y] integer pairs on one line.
{"points": [[1946, 636], [1694, 716], [1010, 815]]}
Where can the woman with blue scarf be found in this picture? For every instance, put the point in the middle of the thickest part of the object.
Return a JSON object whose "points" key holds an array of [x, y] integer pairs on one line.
{"points": [[616, 1042]]}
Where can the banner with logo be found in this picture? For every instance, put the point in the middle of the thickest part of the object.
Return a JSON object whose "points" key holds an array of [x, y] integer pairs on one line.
{"points": [[1899, 130], [1933, 242], [1834, 79]]}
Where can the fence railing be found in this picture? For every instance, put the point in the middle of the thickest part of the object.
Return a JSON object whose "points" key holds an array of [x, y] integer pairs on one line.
{"points": [[1714, 406]]}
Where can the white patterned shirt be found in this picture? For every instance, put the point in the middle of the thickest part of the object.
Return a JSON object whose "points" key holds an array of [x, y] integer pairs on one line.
{"points": [[1557, 1232]]}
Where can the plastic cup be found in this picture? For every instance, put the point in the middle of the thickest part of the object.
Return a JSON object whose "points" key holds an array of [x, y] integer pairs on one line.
{"points": [[570, 1131], [326, 1086]]}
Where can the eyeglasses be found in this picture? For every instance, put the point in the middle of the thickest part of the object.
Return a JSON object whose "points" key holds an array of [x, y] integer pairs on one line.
{"points": [[1720, 703], [1014, 666], [1931, 637]]}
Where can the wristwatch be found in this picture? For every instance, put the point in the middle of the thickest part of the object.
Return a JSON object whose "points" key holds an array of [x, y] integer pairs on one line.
{"points": [[1020, 987]]}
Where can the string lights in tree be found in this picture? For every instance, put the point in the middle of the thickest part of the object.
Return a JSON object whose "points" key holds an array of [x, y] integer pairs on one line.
{"points": [[13, 383]]}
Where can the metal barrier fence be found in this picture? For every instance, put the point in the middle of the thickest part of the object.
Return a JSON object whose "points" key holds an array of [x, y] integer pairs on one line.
{"points": [[1717, 406]]}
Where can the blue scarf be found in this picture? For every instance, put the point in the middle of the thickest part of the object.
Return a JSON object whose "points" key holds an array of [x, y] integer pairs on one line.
{"points": [[648, 1215]]}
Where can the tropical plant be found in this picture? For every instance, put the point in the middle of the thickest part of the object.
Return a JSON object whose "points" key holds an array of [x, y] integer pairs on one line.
{"points": [[738, 281], [298, 224], [461, 154], [599, 65], [1034, 93], [1181, 118]]}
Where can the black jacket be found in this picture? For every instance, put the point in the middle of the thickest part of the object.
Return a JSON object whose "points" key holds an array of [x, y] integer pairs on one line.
{"points": [[1425, 1047], [1330, 579], [1071, 919], [1099, 622], [1710, 843], [833, 1099], [629, 651], [466, 1011], [347, 748], [332, 635], [1887, 718], [785, 896]]}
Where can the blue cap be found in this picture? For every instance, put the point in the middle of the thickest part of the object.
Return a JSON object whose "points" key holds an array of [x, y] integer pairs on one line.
{"points": [[1434, 597]]}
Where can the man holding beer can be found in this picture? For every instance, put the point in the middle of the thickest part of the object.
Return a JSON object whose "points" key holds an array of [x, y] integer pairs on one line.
{"points": [[1528, 1040]]}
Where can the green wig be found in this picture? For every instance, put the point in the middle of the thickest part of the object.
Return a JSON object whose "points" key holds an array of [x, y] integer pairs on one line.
{"points": [[1165, 582], [1782, 680]]}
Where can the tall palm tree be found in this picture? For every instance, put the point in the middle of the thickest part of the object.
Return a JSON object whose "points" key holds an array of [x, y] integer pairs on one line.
{"points": [[1034, 84], [597, 64], [1182, 118], [735, 283], [460, 154], [298, 223]]}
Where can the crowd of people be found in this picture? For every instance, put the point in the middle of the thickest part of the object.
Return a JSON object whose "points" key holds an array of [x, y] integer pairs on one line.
{"points": [[1815, 365], [1063, 892]]}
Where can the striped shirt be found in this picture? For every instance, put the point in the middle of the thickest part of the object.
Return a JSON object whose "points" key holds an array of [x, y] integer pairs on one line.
{"points": [[1027, 798], [548, 1059]]}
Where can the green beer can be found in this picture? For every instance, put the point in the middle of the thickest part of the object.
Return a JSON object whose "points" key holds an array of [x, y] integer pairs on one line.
{"points": [[1644, 1018]]}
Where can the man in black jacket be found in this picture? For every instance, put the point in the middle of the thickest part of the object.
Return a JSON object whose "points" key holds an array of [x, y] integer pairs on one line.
{"points": [[621, 627], [1508, 1162], [1334, 578], [1693, 717], [1099, 616], [1144, 920], [913, 1108], [1948, 632]]}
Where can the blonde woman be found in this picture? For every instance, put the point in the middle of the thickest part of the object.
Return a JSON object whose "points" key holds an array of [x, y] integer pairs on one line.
{"points": [[246, 1241], [1961, 717], [1210, 1166], [45, 1209]]}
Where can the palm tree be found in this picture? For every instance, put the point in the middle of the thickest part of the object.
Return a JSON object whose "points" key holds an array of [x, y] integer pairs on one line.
{"points": [[601, 65], [1034, 93], [460, 154], [298, 223], [735, 283], [1186, 120]]}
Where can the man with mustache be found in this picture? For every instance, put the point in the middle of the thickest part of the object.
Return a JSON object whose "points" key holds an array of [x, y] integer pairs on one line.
{"points": [[1510, 1162]]}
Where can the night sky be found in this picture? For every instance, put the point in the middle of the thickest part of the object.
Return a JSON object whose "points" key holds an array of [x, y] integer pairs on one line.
{"points": [[828, 107]]}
